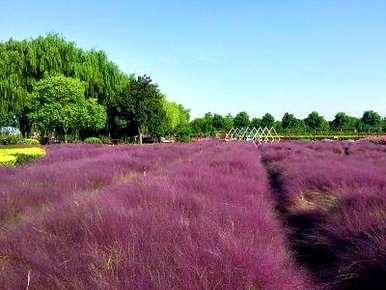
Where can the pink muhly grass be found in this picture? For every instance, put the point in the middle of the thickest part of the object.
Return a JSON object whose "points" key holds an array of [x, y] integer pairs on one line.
{"points": [[203, 221]]}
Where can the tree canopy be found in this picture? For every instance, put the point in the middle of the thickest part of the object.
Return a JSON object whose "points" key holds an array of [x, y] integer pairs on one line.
{"points": [[23, 63], [57, 105], [241, 120]]}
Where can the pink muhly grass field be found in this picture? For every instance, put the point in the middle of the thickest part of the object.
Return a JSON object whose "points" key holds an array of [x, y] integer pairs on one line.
{"points": [[332, 197], [144, 217], [208, 215]]}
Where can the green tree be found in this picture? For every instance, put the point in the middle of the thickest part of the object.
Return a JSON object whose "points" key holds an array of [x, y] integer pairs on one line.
{"points": [[341, 121], [184, 132], [176, 117], [218, 122], [58, 106], [208, 124], [141, 108], [198, 126], [228, 122], [316, 122], [267, 121], [371, 120], [23, 63], [289, 121], [256, 122], [241, 120], [203, 126]]}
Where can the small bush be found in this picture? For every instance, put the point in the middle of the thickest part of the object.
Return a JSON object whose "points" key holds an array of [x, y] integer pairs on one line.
{"points": [[105, 139], [14, 156], [93, 140], [10, 139], [30, 141], [7, 140], [7, 160]]}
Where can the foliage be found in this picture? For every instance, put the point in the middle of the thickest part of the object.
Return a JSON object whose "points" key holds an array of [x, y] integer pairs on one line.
{"points": [[23, 63], [141, 107], [14, 156], [7, 160], [267, 121], [371, 120], [289, 121], [218, 122], [176, 117], [58, 106], [184, 132], [203, 126], [255, 122], [93, 140], [10, 139], [30, 141], [6, 140], [341, 121], [241, 120], [314, 121]]}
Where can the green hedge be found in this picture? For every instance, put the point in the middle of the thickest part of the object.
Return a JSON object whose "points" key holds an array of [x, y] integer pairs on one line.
{"points": [[14, 156], [7, 160]]}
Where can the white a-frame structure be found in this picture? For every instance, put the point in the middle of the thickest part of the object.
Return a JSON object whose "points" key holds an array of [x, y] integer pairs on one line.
{"points": [[257, 135]]}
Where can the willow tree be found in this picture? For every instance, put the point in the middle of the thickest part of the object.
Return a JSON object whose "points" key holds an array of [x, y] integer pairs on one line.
{"points": [[23, 63]]}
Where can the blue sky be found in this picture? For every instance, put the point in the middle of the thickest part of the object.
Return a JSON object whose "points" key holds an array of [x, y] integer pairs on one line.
{"points": [[231, 56]]}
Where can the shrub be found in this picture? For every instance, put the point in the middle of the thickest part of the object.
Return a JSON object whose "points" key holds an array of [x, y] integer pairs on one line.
{"points": [[30, 141], [7, 160], [7, 140], [10, 139], [105, 139], [14, 156], [93, 140]]}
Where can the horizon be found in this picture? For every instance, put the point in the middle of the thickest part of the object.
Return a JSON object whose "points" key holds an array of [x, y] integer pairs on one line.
{"points": [[262, 57]]}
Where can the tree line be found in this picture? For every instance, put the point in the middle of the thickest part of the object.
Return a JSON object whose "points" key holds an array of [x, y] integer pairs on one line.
{"points": [[370, 122], [50, 86]]}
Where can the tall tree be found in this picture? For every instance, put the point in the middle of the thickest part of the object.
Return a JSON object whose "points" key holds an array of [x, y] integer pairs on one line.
{"points": [[23, 63], [218, 122], [241, 119], [289, 121], [371, 120], [256, 122], [141, 107], [228, 122], [341, 121], [316, 122], [267, 121]]}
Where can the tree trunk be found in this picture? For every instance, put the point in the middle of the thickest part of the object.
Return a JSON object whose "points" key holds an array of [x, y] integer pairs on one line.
{"points": [[24, 125], [139, 136]]}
